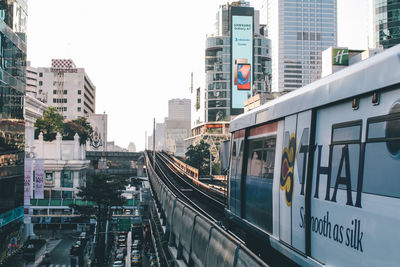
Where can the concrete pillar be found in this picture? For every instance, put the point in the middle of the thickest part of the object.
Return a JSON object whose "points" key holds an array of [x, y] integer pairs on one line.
{"points": [[77, 154], [40, 146], [58, 146]]}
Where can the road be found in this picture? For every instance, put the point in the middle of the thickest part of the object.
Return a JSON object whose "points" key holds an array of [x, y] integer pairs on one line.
{"points": [[60, 257]]}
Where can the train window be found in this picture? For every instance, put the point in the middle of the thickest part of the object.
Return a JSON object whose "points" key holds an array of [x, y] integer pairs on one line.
{"points": [[346, 132], [382, 156]]}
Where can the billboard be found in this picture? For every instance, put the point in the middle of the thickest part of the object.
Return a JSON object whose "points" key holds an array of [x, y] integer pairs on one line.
{"points": [[242, 55]]}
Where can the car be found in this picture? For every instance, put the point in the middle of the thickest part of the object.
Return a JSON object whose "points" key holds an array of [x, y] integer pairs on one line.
{"points": [[119, 264], [82, 235], [120, 250], [122, 240], [136, 260], [128, 212], [120, 256], [136, 253], [136, 245]]}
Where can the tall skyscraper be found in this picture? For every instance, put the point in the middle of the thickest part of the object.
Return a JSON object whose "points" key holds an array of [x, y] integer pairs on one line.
{"points": [[299, 30], [177, 126], [67, 88], [386, 23], [238, 52], [13, 17]]}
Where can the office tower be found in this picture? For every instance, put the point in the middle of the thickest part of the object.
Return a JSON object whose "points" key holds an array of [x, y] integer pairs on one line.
{"points": [[177, 126], [67, 88], [299, 31], [237, 61], [386, 23], [13, 17]]}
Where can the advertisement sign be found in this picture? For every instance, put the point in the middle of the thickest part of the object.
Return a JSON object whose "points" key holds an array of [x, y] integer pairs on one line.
{"points": [[340, 56], [27, 181], [39, 179], [11, 216], [242, 55]]}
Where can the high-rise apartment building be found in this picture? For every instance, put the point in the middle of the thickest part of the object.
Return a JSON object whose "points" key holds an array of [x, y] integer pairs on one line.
{"points": [[67, 88], [299, 30], [386, 23], [13, 17], [232, 51]]}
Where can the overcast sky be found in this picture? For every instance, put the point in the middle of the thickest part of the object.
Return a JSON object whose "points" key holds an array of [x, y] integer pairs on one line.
{"points": [[139, 54]]}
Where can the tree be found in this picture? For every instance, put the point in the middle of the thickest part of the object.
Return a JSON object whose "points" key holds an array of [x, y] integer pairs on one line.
{"points": [[49, 124], [103, 191], [80, 126], [198, 156]]}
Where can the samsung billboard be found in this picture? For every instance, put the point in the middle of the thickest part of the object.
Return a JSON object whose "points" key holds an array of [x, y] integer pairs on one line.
{"points": [[242, 56]]}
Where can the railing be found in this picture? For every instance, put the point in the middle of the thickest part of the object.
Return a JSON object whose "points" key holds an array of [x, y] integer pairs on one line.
{"points": [[194, 239], [189, 170]]}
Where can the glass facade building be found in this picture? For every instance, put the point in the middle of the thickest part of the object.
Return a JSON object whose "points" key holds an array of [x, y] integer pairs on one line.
{"points": [[13, 18], [300, 30], [386, 23], [218, 65]]}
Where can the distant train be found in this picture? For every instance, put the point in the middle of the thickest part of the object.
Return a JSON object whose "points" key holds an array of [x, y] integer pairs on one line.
{"points": [[316, 173]]}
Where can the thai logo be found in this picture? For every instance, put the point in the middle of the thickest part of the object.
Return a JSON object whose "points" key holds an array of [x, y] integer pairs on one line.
{"points": [[96, 141], [287, 176]]}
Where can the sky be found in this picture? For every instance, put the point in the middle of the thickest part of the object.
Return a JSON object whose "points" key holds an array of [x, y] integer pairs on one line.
{"points": [[140, 54]]}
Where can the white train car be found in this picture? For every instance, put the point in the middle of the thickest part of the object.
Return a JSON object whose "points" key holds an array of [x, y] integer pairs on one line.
{"points": [[316, 172]]}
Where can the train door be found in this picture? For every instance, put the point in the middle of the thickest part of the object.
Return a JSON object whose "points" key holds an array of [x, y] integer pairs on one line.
{"points": [[236, 172], [292, 179], [286, 184]]}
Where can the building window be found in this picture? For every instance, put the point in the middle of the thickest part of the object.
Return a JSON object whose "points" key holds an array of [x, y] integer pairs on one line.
{"points": [[79, 109], [79, 100], [54, 100], [67, 178], [40, 74], [40, 83], [49, 178], [54, 92], [79, 92]]}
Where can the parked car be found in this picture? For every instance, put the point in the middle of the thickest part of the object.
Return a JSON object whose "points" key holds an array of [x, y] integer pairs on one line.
{"points": [[119, 264]]}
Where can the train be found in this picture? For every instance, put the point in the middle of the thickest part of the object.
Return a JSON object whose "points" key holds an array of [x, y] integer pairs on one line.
{"points": [[315, 173]]}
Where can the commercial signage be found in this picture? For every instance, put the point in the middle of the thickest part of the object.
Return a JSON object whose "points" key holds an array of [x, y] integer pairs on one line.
{"points": [[11, 215], [27, 181], [242, 58], [39, 179], [340, 56]]}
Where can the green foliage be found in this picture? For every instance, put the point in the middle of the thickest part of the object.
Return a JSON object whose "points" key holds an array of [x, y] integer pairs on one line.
{"points": [[53, 122], [80, 126], [105, 191], [49, 124], [199, 157]]}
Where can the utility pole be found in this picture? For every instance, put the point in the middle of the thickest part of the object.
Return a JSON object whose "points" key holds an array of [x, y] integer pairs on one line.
{"points": [[154, 143]]}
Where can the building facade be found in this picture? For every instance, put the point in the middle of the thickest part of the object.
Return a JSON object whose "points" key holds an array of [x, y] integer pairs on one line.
{"points": [[67, 88], [300, 30], [13, 18], [177, 126], [386, 23], [220, 102]]}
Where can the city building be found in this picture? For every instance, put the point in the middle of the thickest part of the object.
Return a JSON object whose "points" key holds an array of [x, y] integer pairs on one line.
{"points": [[12, 131], [237, 67], [33, 110], [386, 23], [131, 147], [230, 52], [65, 167], [160, 136], [299, 31], [338, 58], [177, 126], [67, 88]]}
